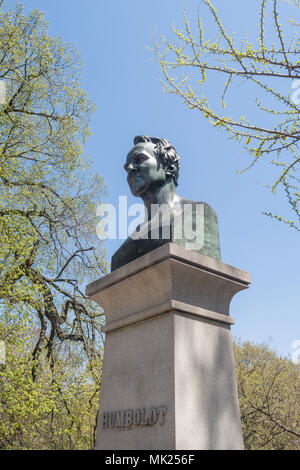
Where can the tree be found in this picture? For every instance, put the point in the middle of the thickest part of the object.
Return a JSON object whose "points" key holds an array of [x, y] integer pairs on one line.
{"points": [[57, 409], [269, 68], [48, 198], [269, 396]]}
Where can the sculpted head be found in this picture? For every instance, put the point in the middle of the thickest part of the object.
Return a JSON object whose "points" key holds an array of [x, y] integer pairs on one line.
{"points": [[151, 163]]}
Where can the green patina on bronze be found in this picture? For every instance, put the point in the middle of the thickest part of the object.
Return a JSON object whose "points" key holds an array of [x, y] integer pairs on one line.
{"points": [[152, 166], [211, 246]]}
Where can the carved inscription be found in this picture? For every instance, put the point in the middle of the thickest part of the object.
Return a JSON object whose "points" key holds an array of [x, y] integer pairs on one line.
{"points": [[137, 417]]}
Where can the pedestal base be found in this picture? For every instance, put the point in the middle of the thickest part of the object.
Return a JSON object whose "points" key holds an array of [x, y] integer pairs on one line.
{"points": [[168, 377]]}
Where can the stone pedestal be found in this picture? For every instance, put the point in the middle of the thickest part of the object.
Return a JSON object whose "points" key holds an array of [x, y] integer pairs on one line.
{"points": [[168, 376]]}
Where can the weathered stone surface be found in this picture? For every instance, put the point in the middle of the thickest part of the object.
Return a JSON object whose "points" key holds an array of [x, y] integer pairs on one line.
{"points": [[168, 347]]}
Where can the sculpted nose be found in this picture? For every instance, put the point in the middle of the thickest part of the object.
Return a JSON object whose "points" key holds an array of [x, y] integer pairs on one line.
{"points": [[131, 168]]}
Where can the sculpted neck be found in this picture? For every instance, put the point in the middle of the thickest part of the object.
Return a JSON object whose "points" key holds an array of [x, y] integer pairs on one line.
{"points": [[162, 195]]}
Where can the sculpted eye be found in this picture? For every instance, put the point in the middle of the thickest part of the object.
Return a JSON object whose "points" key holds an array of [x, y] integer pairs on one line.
{"points": [[140, 158]]}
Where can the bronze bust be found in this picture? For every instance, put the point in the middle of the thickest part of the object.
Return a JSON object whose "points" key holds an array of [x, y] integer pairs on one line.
{"points": [[152, 167]]}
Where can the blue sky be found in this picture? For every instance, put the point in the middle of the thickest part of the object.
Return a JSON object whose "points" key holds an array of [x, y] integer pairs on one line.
{"points": [[122, 78]]}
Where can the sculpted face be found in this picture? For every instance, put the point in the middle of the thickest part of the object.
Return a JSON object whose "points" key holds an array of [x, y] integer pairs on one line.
{"points": [[144, 170]]}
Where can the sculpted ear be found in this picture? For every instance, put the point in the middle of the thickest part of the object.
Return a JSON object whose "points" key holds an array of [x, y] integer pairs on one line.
{"points": [[169, 169]]}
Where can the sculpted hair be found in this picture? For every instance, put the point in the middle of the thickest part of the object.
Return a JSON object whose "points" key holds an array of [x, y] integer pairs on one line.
{"points": [[166, 154]]}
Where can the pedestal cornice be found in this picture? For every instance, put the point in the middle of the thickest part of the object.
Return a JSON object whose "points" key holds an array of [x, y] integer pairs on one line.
{"points": [[168, 278]]}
